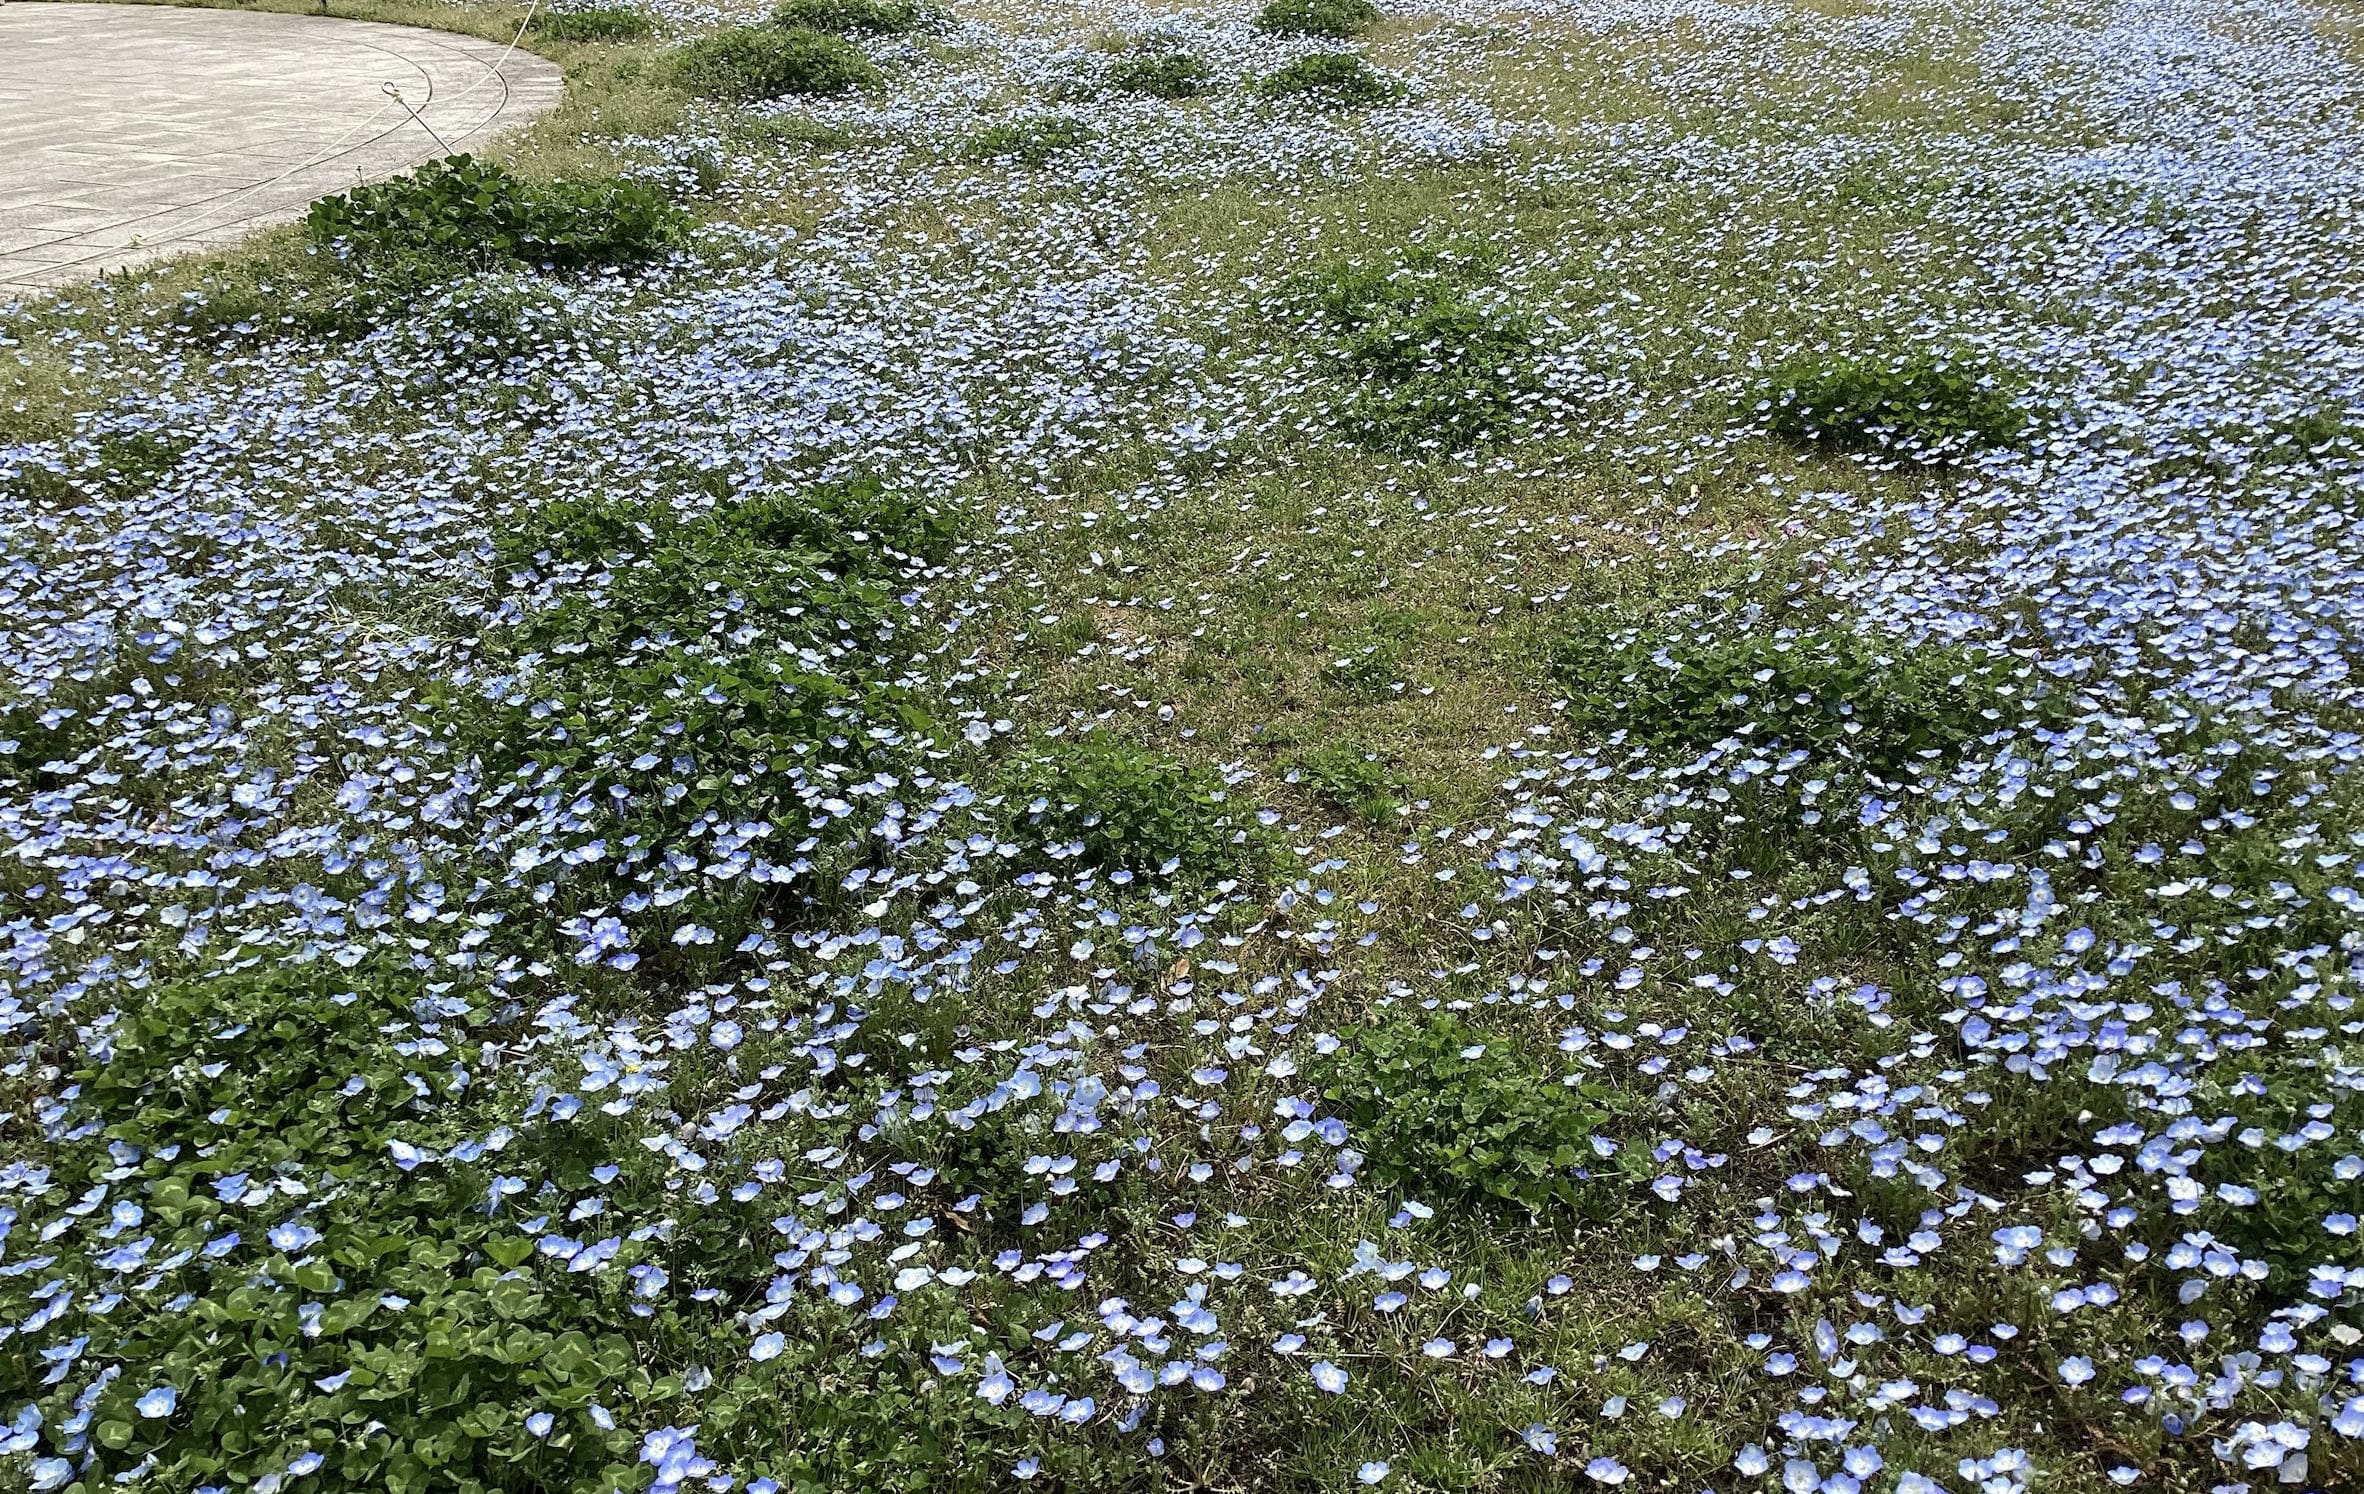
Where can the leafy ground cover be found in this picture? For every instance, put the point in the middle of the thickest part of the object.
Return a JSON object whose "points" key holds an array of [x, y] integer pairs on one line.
{"points": [[1636, 767], [1162, 74], [1316, 17], [461, 211], [746, 64], [1333, 80], [595, 23]]}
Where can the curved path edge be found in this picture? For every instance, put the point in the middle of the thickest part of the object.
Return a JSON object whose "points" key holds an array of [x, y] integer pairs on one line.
{"points": [[132, 133]]}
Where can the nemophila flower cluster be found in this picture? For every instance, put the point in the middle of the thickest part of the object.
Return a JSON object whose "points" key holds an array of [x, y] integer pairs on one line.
{"points": [[615, 881]]}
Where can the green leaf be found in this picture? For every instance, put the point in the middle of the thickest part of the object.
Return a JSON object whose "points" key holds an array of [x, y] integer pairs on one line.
{"points": [[514, 1298], [510, 1253]]}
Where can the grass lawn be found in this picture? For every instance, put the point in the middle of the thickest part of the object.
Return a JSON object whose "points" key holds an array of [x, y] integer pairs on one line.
{"points": [[1122, 746]]}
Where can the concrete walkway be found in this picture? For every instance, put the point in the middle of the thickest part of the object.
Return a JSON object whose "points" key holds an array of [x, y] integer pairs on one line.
{"points": [[133, 132]]}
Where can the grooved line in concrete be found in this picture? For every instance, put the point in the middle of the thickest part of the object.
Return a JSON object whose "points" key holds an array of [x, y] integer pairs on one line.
{"points": [[130, 132]]}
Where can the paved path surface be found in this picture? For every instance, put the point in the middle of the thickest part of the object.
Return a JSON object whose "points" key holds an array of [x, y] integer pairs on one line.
{"points": [[133, 132]]}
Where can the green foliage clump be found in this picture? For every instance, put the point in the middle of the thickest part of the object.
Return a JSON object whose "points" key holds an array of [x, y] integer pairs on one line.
{"points": [[1931, 404], [595, 23], [377, 1319], [746, 64], [1316, 17], [1448, 1115], [2295, 1194], [687, 663], [1331, 80], [119, 465], [802, 560], [136, 461], [1031, 141], [2317, 432], [1129, 809], [1162, 75], [496, 316], [1350, 780], [853, 17], [1430, 368], [467, 212], [1832, 691], [997, 1159]]}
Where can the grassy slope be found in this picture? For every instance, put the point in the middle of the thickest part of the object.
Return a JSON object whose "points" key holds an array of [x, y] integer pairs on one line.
{"points": [[1445, 584]]}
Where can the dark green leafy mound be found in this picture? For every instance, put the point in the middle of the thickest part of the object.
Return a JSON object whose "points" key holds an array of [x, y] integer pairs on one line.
{"points": [[463, 211], [750, 63], [1331, 80], [1316, 17], [388, 1324], [1350, 780], [1131, 810], [1880, 703], [1162, 75], [44, 738], [496, 316], [186, 1057], [118, 465], [1031, 141], [686, 665], [2317, 432], [996, 1161], [1447, 1115], [854, 17], [113, 466], [597, 23], [1931, 404], [1429, 368]]}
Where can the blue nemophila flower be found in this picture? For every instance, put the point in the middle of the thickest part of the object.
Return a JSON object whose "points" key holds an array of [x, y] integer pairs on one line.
{"points": [[673, 1452], [996, 1385]]}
